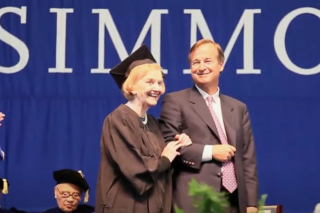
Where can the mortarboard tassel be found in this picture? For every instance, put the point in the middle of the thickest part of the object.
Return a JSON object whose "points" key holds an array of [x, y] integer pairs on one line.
{"points": [[86, 196], [80, 172], [5, 186]]}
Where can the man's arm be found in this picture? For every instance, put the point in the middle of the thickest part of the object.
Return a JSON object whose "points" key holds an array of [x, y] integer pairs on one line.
{"points": [[171, 122], [249, 161]]}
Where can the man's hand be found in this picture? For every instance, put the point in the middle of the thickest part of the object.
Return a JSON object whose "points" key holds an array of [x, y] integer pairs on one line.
{"points": [[1, 117], [252, 209], [183, 139], [223, 152]]}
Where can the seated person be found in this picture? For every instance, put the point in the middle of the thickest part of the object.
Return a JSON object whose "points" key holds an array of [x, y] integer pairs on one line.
{"points": [[68, 191]]}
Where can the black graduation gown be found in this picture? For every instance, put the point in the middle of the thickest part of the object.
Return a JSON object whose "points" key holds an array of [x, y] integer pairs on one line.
{"points": [[5, 211], [133, 177], [78, 210]]}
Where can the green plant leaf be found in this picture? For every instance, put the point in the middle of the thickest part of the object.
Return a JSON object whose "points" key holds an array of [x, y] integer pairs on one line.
{"points": [[206, 200]]}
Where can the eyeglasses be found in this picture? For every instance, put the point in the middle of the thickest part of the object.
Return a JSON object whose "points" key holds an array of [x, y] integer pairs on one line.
{"points": [[65, 194]]}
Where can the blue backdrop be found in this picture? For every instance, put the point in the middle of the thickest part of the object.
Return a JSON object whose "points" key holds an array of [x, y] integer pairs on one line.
{"points": [[56, 91]]}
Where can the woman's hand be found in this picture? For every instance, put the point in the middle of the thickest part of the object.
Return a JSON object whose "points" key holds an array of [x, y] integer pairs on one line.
{"points": [[170, 151]]}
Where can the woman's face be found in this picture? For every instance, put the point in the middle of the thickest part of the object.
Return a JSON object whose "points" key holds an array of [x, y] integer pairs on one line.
{"points": [[149, 88]]}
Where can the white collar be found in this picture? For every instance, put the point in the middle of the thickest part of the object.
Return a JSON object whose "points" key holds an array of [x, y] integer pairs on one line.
{"points": [[215, 96]]}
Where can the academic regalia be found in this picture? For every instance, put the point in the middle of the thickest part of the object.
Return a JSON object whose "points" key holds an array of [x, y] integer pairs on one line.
{"points": [[78, 210], [72, 177], [5, 211], [85, 208], [11, 210], [4, 186], [15, 210], [133, 177]]}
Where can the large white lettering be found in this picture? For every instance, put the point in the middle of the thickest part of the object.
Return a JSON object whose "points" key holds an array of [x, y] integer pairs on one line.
{"points": [[106, 20], [246, 22], [60, 66], [15, 42], [280, 37], [153, 24]]}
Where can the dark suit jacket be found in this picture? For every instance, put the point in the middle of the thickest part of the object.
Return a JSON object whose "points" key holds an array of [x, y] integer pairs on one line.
{"points": [[186, 112]]}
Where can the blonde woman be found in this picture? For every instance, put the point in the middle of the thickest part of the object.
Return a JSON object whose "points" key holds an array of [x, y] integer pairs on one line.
{"points": [[135, 166]]}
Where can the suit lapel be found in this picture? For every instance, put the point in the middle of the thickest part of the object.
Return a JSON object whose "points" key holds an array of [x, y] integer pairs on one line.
{"points": [[228, 119], [201, 108]]}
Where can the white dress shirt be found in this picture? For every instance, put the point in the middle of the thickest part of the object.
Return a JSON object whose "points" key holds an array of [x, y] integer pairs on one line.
{"points": [[216, 106]]}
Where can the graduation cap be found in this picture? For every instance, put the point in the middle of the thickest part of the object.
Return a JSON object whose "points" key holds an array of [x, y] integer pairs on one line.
{"points": [[73, 177], [141, 56], [4, 185]]}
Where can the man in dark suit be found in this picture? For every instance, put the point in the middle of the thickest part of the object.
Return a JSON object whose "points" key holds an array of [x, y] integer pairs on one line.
{"points": [[222, 154]]}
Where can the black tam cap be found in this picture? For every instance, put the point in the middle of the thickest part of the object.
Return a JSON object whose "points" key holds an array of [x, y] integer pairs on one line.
{"points": [[73, 177], [138, 57], [4, 185]]}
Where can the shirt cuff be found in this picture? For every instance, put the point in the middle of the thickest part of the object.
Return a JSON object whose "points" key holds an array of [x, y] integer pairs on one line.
{"points": [[207, 153]]}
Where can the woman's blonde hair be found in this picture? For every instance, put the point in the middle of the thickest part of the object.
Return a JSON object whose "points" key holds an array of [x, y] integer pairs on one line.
{"points": [[135, 75]]}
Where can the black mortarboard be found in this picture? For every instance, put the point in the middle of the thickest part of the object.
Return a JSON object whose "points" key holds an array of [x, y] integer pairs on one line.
{"points": [[73, 177], [4, 185], [138, 57]]}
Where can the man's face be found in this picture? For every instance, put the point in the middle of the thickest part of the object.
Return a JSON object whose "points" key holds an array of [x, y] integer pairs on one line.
{"points": [[205, 66], [68, 196]]}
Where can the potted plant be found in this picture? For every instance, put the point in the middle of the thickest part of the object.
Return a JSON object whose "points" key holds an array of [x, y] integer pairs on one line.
{"points": [[206, 200]]}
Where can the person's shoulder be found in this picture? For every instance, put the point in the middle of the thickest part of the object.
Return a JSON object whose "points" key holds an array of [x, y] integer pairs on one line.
{"points": [[235, 102], [179, 92], [118, 113], [52, 210], [15, 210], [84, 208], [122, 115], [177, 95]]}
